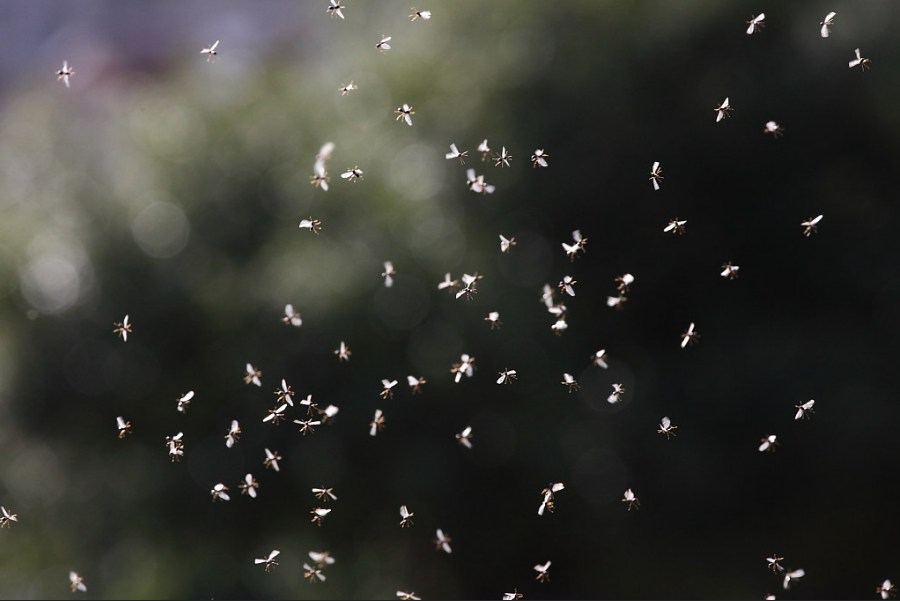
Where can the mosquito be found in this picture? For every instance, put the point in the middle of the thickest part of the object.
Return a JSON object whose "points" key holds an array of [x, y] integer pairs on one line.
{"points": [[729, 270], [219, 491], [455, 153], [689, 336], [809, 226], [377, 423], [773, 563], [124, 427], [828, 22], [307, 425], [346, 89], [353, 174], [176, 446], [415, 384], [792, 575], [76, 582], [476, 183], [343, 352], [313, 225], [569, 382], [269, 560], [386, 386], [324, 494], [864, 63], [285, 393], [656, 175], [321, 558], [388, 274], [7, 518], [543, 572], [580, 242], [548, 495], [335, 9], [184, 401], [513, 596], [539, 158], [405, 113], [272, 459], [804, 410], [291, 317], [723, 110], [623, 282], [675, 226], [122, 329], [448, 283], [774, 129], [404, 596], [465, 366], [666, 427], [211, 52], [276, 414], [318, 515], [506, 243], [600, 358], [312, 573], [502, 158], [567, 285], [506, 376], [494, 318], [442, 541], [756, 23], [768, 443], [65, 73], [631, 500], [419, 14], [249, 486], [465, 437], [616, 395], [383, 44], [252, 375], [310, 406], [886, 590], [406, 517], [320, 178], [484, 149], [470, 286]]}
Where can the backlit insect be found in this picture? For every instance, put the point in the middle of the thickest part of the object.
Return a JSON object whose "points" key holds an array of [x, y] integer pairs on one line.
{"points": [[470, 286], [321, 558], [122, 329], [689, 336], [675, 226], [65, 73], [176, 446], [312, 573], [539, 158], [548, 497], [406, 517], [343, 352], [276, 414], [600, 358], [291, 317], [7, 518], [569, 382], [804, 410], [405, 113], [774, 129], [465, 366], [494, 318], [353, 174], [729, 271], [318, 515], [631, 500], [756, 23], [792, 575], [124, 427], [324, 494], [476, 183], [404, 596], [768, 443], [623, 282], [484, 149], [656, 175], [219, 491], [383, 44], [543, 572], [335, 9], [76, 582], [252, 375], [616, 302], [666, 427], [249, 486], [826, 23], [415, 384], [272, 459], [864, 63], [320, 177], [377, 423], [285, 393], [723, 110], [346, 89], [442, 541], [455, 153], [448, 283], [580, 242], [502, 158], [465, 437], [328, 413], [211, 52], [616, 395], [308, 403], [386, 386], [809, 226], [506, 243], [185, 401], [886, 590], [233, 434], [506, 376], [567, 285], [307, 425], [419, 14], [513, 596], [269, 560], [774, 564], [388, 274], [313, 225]]}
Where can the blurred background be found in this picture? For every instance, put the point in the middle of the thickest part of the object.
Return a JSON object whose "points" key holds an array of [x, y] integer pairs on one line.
{"points": [[169, 188]]}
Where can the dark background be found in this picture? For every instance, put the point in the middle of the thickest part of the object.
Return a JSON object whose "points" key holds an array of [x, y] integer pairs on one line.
{"points": [[170, 188]]}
